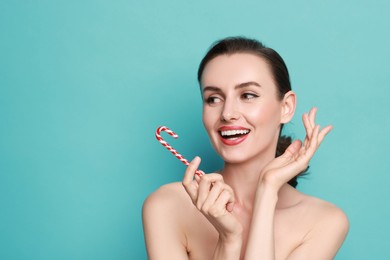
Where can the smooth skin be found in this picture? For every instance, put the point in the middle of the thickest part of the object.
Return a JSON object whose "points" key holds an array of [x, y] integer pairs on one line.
{"points": [[247, 210]]}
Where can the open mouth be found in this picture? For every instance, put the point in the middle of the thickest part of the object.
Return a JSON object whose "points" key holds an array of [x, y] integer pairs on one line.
{"points": [[233, 134]]}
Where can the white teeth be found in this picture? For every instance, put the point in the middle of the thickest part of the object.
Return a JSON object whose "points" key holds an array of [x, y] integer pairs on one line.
{"points": [[234, 132]]}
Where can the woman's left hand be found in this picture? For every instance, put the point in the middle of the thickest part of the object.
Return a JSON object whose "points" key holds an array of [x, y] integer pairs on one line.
{"points": [[297, 156]]}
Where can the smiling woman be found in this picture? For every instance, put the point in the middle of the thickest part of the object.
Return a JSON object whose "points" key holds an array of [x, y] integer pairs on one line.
{"points": [[250, 208]]}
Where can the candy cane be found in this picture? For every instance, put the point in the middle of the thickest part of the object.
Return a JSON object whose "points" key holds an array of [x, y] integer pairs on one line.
{"points": [[170, 148]]}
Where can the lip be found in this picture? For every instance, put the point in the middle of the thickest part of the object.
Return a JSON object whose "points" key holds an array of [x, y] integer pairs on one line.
{"points": [[235, 141], [231, 127]]}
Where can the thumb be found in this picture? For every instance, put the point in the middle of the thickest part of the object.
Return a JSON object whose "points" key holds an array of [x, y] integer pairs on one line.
{"points": [[230, 206], [231, 202], [293, 148]]}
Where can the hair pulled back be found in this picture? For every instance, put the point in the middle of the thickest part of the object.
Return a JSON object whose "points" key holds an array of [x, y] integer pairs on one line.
{"points": [[233, 45]]}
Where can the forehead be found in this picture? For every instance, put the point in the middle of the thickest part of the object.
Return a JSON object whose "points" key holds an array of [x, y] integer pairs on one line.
{"points": [[226, 70]]}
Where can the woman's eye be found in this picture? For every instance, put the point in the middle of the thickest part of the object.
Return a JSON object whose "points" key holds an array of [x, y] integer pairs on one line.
{"points": [[213, 100], [249, 96]]}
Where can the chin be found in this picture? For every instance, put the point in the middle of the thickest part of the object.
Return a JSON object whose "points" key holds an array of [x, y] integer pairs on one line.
{"points": [[234, 157], [245, 154]]}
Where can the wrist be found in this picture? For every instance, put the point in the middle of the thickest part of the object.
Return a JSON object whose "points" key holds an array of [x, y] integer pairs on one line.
{"points": [[228, 247], [267, 191], [231, 238]]}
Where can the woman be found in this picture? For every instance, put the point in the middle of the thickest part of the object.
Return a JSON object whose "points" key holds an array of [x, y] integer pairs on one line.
{"points": [[250, 209]]}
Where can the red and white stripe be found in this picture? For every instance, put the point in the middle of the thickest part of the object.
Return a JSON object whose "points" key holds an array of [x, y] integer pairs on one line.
{"points": [[170, 148]]}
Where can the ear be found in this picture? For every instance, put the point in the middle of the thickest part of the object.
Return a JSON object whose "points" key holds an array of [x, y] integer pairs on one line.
{"points": [[288, 107]]}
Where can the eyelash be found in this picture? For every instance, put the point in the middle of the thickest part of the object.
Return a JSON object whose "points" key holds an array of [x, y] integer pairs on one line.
{"points": [[245, 96], [211, 100]]}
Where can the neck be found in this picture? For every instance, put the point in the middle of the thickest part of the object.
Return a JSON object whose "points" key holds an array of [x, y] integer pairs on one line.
{"points": [[244, 178]]}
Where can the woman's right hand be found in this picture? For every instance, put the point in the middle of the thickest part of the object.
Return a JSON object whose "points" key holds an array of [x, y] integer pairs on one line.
{"points": [[215, 199]]}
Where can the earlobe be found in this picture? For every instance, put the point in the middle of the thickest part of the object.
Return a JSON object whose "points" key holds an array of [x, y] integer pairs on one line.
{"points": [[288, 107]]}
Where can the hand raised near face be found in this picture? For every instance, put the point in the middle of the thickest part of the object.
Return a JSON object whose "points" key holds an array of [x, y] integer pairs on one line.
{"points": [[297, 156], [213, 198]]}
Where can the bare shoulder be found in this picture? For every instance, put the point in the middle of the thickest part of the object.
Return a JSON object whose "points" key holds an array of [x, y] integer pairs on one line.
{"points": [[314, 213], [169, 189], [321, 227], [163, 216], [167, 197], [327, 222], [326, 213]]}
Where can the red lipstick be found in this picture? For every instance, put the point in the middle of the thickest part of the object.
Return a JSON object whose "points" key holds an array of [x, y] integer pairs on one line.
{"points": [[233, 135]]}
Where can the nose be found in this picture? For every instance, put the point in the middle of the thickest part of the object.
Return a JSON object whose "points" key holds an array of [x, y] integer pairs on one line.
{"points": [[230, 111]]}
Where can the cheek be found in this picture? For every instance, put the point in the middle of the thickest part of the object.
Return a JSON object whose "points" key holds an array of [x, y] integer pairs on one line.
{"points": [[207, 118], [210, 117], [269, 114]]}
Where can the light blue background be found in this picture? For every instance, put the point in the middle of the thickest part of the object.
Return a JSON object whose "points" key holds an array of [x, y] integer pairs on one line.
{"points": [[84, 84]]}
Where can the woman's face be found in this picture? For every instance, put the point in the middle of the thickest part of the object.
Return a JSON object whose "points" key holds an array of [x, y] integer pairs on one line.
{"points": [[241, 109]]}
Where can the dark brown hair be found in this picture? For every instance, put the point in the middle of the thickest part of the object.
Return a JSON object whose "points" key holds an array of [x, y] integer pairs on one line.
{"points": [[232, 45]]}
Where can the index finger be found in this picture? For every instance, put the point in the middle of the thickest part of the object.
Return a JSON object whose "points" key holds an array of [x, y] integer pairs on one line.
{"points": [[190, 171]]}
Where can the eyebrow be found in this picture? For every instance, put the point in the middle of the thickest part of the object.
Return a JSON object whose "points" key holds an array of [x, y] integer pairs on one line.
{"points": [[247, 84], [241, 85]]}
